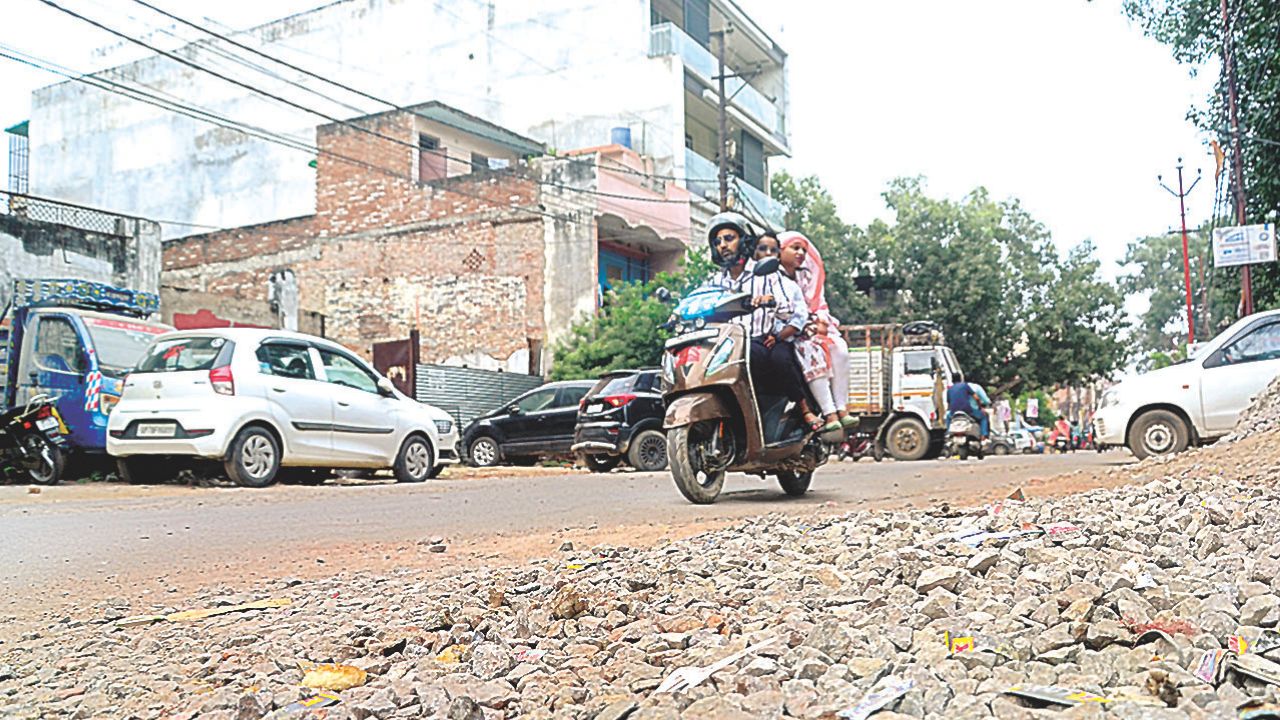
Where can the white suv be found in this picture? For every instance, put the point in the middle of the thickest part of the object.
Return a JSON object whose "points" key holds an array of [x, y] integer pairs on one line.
{"points": [[1197, 400], [267, 402]]}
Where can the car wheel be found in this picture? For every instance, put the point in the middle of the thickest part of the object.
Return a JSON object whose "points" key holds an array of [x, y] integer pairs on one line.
{"points": [[484, 452], [603, 463], [144, 469], [907, 439], [1000, 449], [254, 458], [415, 461], [434, 472], [1158, 432], [648, 451]]}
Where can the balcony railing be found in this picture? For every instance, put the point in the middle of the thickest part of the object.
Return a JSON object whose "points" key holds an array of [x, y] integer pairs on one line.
{"points": [[668, 39], [60, 213], [702, 177]]}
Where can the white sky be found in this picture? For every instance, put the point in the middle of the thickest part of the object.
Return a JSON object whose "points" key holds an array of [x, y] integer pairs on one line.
{"points": [[1060, 103]]}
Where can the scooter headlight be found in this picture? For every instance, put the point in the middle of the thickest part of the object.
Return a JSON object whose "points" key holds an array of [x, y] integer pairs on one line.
{"points": [[669, 368]]}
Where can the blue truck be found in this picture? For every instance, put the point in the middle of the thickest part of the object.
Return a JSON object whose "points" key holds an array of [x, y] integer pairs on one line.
{"points": [[74, 340]]}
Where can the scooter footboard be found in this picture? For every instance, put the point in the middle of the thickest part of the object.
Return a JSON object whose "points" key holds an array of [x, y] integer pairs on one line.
{"points": [[689, 409]]}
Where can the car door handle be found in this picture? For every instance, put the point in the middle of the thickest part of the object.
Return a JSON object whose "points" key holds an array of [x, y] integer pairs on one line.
{"points": [[276, 389], [343, 404]]}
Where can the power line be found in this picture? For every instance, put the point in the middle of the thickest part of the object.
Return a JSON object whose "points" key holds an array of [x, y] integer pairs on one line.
{"points": [[285, 141], [326, 116]]}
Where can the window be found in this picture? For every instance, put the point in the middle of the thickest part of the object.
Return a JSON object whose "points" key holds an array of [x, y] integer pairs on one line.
{"points": [[570, 396], [1263, 343], [918, 363], [182, 354], [540, 400], [119, 343], [342, 370], [479, 162], [432, 160], [286, 360], [58, 346]]}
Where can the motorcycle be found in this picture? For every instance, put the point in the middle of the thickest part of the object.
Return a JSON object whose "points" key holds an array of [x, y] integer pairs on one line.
{"points": [[33, 442], [964, 437], [859, 445], [715, 420], [1062, 444]]}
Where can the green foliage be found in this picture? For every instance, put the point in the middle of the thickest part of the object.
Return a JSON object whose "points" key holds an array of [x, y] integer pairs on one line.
{"points": [[1154, 268], [1015, 312], [625, 333], [1193, 31]]}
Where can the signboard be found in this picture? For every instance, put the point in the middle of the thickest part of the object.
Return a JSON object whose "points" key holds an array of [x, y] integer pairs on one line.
{"points": [[1244, 245], [1033, 408]]}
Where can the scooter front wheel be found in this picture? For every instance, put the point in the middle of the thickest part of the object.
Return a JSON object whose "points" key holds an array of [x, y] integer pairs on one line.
{"points": [[687, 448]]}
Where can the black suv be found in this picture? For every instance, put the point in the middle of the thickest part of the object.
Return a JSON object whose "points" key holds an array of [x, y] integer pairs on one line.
{"points": [[537, 424], [621, 417]]}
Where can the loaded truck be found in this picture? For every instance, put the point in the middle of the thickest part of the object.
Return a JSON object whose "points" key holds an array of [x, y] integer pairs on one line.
{"points": [[898, 380], [74, 340]]}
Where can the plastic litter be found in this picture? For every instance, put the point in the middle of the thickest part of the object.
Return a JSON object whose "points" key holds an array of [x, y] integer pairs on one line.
{"points": [[452, 654], [319, 700], [684, 678], [334, 677], [188, 615], [529, 655], [1256, 667], [1054, 695], [884, 692], [1260, 711], [1211, 667]]}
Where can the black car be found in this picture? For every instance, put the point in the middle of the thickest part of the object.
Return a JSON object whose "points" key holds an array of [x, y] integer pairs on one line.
{"points": [[621, 417], [537, 424]]}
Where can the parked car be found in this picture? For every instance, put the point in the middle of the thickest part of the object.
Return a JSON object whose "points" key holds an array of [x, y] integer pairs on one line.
{"points": [[1002, 445], [537, 424], [270, 403], [1197, 400], [621, 418]]}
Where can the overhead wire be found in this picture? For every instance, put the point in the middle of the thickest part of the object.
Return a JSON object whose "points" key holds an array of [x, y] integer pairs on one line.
{"points": [[263, 134]]}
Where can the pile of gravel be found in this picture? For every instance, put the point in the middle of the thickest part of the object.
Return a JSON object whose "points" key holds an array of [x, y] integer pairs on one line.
{"points": [[1261, 416], [1063, 592]]}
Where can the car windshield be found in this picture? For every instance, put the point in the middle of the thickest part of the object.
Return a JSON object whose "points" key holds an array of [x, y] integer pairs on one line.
{"points": [[181, 354], [118, 344]]}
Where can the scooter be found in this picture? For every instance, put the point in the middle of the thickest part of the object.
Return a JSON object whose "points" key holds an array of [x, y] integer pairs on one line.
{"points": [[964, 437], [33, 443], [715, 420]]}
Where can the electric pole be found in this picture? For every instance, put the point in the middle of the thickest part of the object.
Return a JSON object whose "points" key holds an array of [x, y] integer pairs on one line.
{"points": [[722, 130], [1237, 162], [1186, 257]]}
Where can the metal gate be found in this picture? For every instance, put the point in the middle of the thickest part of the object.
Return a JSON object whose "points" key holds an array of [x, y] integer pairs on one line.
{"points": [[467, 393]]}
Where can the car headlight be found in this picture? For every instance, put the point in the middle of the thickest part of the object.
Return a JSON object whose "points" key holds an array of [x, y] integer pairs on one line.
{"points": [[444, 427]]}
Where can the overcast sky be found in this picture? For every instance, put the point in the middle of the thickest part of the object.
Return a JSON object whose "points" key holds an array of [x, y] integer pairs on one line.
{"points": [[1060, 103]]}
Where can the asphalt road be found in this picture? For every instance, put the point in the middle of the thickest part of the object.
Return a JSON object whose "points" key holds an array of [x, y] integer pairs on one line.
{"points": [[79, 534]]}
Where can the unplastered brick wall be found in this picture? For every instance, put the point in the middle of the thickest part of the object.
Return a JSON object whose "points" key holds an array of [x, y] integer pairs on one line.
{"points": [[384, 251]]}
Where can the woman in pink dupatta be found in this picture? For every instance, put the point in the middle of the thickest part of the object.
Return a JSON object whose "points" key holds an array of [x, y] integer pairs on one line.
{"points": [[823, 328]]}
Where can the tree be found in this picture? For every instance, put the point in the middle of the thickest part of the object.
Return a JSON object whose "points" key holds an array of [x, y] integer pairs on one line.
{"points": [[1015, 312], [626, 332], [1193, 31], [1153, 267]]}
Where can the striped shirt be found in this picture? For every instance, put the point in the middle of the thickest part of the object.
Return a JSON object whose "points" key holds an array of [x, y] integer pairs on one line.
{"points": [[791, 309]]}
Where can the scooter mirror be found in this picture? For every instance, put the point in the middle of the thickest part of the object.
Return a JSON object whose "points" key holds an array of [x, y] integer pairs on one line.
{"points": [[767, 266], [663, 294]]}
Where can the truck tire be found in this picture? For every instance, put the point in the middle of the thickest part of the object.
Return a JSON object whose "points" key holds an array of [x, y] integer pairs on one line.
{"points": [[1158, 432], [907, 439]]}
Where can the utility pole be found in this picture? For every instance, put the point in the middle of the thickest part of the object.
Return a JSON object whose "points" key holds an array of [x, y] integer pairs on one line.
{"points": [[1237, 161], [1186, 257], [722, 131]]}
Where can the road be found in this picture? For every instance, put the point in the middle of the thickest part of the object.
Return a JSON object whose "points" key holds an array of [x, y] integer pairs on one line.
{"points": [[159, 537]]}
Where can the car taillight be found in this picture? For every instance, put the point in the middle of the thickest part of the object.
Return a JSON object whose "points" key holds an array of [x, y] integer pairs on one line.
{"points": [[617, 401], [222, 381], [44, 412]]}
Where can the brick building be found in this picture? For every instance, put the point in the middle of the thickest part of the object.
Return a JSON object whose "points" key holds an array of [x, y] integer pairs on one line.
{"points": [[448, 228]]}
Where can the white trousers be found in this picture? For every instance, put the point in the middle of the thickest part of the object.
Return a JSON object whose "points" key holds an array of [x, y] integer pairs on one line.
{"points": [[839, 379]]}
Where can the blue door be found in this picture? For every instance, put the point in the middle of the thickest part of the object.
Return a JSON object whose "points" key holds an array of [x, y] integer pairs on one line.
{"points": [[54, 361], [617, 269]]}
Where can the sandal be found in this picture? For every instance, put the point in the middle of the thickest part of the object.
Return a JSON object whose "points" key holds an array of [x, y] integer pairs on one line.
{"points": [[848, 421], [814, 422], [832, 426]]}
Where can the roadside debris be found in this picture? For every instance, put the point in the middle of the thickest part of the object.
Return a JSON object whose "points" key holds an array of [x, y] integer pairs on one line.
{"points": [[334, 676], [686, 678], [188, 615], [315, 702], [886, 691]]}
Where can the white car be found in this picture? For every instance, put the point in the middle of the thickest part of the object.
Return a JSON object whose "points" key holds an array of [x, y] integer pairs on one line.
{"points": [[1197, 400], [267, 402]]}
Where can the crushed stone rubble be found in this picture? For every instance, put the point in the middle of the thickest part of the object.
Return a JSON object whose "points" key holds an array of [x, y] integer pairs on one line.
{"points": [[1111, 598], [1155, 599], [1262, 416]]}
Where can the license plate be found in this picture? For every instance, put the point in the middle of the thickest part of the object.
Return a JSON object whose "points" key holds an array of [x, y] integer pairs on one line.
{"points": [[157, 429], [595, 407], [47, 424]]}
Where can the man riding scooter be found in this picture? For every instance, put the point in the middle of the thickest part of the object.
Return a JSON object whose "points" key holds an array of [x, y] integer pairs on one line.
{"points": [[969, 399]]}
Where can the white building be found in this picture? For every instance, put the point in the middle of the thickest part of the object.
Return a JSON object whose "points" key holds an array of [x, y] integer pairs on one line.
{"points": [[573, 74]]}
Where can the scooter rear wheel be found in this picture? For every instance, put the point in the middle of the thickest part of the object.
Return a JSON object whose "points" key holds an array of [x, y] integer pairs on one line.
{"points": [[684, 456], [795, 484]]}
